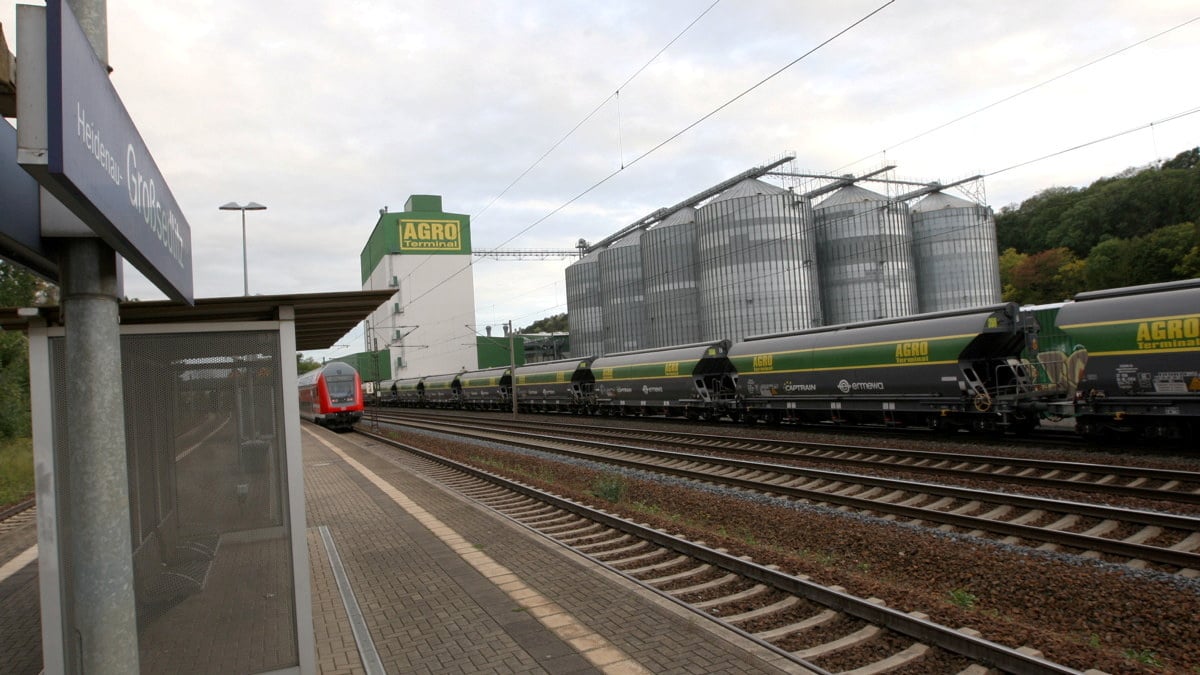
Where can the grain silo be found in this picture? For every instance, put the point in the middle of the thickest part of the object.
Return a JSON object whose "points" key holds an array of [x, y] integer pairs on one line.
{"points": [[954, 246], [757, 263], [864, 247], [622, 295], [584, 310], [672, 288]]}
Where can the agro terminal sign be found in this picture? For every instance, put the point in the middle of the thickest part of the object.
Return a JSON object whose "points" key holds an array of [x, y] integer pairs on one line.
{"points": [[98, 165], [432, 235]]}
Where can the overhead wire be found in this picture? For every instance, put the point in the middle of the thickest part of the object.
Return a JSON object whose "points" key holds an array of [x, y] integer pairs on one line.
{"points": [[597, 109], [1150, 125], [1026, 90], [811, 231], [670, 139], [887, 149], [776, 73], [616, 94]]}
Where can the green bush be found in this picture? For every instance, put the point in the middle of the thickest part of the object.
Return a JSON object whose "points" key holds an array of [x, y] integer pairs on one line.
{"points": [[14, 386], [609, 488], [16, 470]]}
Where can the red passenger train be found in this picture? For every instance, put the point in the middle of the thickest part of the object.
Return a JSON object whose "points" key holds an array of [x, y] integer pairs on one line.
{"points": [[331, 395]]}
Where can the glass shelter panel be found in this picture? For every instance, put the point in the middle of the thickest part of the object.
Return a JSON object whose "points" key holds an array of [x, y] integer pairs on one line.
{"points": [[208, 491]]}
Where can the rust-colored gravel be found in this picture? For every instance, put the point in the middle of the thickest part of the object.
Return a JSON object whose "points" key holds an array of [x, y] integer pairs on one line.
{"points": [[1084, 614]]}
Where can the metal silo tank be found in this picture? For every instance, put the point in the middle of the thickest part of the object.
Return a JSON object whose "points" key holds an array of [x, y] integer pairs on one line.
{"points": [[757, 263], [864, 245], [622, 295], [954, 245], [584, 311], [669, 272]]}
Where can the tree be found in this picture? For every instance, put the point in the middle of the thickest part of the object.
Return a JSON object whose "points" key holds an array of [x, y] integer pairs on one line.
{"points": [[1158, 255], [18, 288], [1188, 159], [1107, 265], [305, 364], [1161, 255], [1189, 266], [1009, 260], [1133, 203], [550, 324], [1133, 207], [1027, 228], [1050, 276]]}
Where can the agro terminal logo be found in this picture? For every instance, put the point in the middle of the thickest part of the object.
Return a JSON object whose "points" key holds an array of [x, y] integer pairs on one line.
{"points": [[430, 235]]}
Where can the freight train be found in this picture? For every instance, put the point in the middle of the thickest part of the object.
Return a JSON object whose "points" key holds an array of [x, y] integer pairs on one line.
{"points": [[331, 395], [1133, 369]]}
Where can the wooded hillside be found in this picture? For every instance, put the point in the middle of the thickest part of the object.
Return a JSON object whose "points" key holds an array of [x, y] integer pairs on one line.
{"points": [[1138, 227]]}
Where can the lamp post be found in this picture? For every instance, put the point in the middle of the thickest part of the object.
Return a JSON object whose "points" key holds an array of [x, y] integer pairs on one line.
{"points": [[252, 206]]}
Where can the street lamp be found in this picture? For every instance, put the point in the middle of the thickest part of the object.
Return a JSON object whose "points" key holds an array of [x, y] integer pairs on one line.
{"points": [[252, 206]]}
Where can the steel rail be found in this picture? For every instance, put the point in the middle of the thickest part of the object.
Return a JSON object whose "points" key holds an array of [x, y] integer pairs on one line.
{"points": [[999, 656], [803, 448], [1182, 559]]}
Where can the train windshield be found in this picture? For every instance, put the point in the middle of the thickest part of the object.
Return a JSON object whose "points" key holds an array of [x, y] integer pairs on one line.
{"points": [[340, 386]]}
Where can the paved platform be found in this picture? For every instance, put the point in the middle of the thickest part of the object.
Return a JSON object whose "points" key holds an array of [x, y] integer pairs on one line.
{"points": [[435, 586], [20, 619], [445, 587]]}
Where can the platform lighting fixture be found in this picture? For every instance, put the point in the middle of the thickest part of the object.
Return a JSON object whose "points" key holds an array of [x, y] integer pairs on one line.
{"points": [[251, 206]]}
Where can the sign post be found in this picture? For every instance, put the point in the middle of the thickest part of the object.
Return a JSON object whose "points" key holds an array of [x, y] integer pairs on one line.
{"points": [[75, 137]]}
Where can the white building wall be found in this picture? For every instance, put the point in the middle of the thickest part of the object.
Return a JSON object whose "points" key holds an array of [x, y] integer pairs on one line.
{"points": [[425, 325]]}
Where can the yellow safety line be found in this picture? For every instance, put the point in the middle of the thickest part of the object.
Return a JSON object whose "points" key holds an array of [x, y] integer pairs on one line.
{"points": [[591, 645]]}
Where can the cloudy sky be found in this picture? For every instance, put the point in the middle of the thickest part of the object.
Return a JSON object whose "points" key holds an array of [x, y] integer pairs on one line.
{"points": [[328, 111]]}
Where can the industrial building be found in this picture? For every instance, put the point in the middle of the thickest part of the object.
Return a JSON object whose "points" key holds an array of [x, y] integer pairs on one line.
{"points": [[746, 257], [423, 254], [749, 257]]}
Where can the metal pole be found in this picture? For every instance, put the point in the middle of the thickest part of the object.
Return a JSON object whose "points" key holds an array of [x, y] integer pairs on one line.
{"points": [[245, 269], [512, 368], [105, 620], [104, 640]]}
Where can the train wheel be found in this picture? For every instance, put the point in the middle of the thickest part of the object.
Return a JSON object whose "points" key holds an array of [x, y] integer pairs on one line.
{"points": [[983, 402]]}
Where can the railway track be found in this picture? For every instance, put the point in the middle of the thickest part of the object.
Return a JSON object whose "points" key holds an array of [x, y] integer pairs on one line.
{"points": [[799, 619], [1131, 536], [1147, 483], [1049, 436], [21, 508]]}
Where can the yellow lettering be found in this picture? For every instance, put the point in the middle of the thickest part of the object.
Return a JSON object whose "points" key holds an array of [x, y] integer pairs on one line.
{"points": [[431, 234], [912, 351]]}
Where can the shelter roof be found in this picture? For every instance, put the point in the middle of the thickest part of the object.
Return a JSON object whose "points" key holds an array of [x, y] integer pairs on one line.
{"points": [[321, 318]]}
